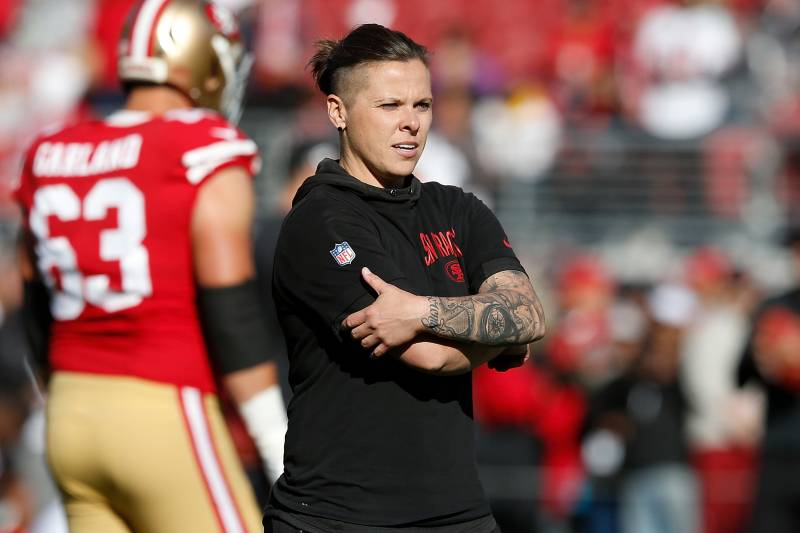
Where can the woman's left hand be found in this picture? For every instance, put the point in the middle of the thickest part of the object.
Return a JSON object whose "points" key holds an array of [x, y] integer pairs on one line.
{"points": [[392, 320]]}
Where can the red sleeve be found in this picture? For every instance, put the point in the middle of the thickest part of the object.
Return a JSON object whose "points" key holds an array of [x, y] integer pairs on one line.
{"points": [[208, 144], [530, 399]]}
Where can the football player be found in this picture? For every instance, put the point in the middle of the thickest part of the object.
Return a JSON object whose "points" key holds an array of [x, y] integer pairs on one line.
{"points": [[139, 283]]}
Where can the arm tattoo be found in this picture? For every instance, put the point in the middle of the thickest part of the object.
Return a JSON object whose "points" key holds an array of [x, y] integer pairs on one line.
{"points": [[497, 323], [505, 311]]}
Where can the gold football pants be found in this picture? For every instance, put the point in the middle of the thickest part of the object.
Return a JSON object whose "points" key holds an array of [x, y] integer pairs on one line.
{"points": [[131, 455]]}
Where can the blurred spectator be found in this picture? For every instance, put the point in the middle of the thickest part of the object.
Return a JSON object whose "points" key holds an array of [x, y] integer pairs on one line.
{"points": [[9, 10], [602, 447], [49, 58], [278, 47], [529, 417], [17, 502], [731, 156], [31, 464], [519, 136], [52, 25], [44, 76], [580, 51], [774, 60], [578, 356], [506, 404], [27, 492], [724, 422], [460, 64], [451, 154], [546, 400], [772, 358], [581, 342], [639, 419], [681, 52], [443, 162], [107, 20]]}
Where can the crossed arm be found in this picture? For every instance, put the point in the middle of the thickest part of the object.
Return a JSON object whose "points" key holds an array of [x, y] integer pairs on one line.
{"points": [[505, 311], [451, 335]]}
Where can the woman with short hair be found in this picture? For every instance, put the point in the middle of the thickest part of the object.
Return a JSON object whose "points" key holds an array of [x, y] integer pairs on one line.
{"points": [[380, 425]]}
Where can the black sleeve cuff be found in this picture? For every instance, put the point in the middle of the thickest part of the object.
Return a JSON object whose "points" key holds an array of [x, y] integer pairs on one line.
{"points": [[490, 268]]}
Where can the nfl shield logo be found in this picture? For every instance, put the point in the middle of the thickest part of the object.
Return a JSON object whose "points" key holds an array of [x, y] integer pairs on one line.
{"points": [[343, 254]]}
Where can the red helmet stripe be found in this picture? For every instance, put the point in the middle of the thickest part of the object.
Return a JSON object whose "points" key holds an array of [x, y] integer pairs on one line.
{"points": [[144, 26]]}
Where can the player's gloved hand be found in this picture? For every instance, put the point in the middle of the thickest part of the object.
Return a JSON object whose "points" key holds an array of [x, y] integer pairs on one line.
{"points": [[511, 357], [392, 320]]}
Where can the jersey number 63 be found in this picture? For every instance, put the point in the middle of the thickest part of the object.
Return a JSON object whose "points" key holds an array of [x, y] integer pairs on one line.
{"points": [[122, 243]]}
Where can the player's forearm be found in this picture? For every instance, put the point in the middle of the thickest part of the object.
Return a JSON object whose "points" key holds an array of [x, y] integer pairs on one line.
{"points": [[498, 316], [246, 383], [258, 395]]}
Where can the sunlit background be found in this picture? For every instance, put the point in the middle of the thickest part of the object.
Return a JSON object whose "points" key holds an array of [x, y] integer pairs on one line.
{"points": [[644, 158]]}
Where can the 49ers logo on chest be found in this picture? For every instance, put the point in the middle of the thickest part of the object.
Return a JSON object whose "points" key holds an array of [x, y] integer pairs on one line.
{"points": [[454, 271]]}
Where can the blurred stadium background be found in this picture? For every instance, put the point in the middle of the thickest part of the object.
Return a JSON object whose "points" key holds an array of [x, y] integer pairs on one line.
{"points": [[644, 157]]}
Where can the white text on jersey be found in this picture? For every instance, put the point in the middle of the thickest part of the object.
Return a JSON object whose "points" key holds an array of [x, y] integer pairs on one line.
{"points": [[86, 159]]}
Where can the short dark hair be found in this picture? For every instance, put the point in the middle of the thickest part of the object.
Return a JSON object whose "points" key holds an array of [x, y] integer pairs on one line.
{"points": [[364, 44]]}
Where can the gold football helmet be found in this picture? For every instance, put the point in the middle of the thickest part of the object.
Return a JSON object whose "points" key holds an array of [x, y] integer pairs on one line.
{"points": [[191, 45]]}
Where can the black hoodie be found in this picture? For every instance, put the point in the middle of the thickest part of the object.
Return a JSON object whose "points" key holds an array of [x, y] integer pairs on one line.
{"points": [[375, 442]]}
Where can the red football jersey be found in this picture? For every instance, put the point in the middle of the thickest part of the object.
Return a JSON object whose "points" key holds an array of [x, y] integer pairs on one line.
{"points": [[109, 204]]}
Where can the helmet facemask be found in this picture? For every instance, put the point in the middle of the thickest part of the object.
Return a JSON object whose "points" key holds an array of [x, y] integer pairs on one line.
{"points": [[235, 64]]}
